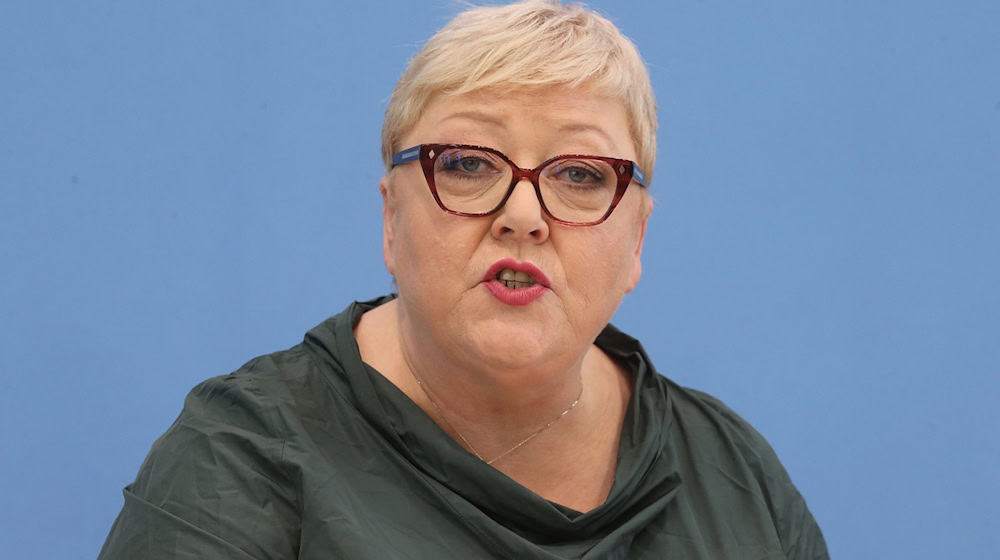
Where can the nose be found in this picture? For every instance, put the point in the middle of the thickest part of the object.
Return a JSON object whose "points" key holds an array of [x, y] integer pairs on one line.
{"points": [[521, 219]]}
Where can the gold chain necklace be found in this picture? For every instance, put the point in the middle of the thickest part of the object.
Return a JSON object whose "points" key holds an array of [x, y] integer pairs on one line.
{"points": [[512, 449]]}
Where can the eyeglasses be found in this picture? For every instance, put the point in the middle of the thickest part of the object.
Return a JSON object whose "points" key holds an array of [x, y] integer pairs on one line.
{"points": [[476, 181]]}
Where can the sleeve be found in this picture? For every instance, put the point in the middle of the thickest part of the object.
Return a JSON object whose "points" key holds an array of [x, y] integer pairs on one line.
{"points": [[214, 485], [798, 532]]}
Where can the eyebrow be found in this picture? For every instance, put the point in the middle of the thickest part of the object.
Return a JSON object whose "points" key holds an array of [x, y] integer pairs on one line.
{"points": [[477, 116], [583, 127], [498, 121]]}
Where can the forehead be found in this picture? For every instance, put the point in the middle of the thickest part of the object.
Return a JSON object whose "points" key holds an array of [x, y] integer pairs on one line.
{"points": [[552, 119]]}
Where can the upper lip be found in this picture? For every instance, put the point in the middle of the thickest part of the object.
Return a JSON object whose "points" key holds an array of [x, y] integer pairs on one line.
{"points": [[512, 264]]}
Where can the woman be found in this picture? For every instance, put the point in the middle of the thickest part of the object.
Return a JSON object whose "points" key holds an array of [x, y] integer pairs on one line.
{"points": [[488, 410]]}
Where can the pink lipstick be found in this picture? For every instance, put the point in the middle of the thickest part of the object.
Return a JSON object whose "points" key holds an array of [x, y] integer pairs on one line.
{"points": [[516, 291]]}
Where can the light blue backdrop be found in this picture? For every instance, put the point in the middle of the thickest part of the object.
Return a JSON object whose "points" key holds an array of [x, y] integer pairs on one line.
{"points": [[187, 184]]}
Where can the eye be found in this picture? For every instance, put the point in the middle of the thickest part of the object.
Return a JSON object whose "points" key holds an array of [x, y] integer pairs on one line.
{"points": [[471, 164], [465, 162], [577, 173]]}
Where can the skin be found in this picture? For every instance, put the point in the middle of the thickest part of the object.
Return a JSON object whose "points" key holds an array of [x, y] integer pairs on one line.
{"points": [[499, 372]]}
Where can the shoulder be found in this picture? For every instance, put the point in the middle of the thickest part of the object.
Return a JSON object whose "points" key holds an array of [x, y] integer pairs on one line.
{"points": [[731, 476], [701, 411], [231, 425], [252, 398], [726, 450], [225, 479], [219, 481]]}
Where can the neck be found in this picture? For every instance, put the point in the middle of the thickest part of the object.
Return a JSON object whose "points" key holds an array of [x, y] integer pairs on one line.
{"points": [[571, 462], [487, 406], [441, 412], [493, 408]]}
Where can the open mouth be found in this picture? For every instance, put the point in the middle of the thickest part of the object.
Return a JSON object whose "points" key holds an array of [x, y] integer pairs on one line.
{"points": [[514, 282], [515, 279]]}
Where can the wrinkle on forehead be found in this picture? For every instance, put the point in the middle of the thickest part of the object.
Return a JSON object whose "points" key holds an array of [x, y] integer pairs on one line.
{"points": [[499, 114]]}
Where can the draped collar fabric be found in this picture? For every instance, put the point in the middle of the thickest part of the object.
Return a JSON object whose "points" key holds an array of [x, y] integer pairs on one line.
{"points": [[497, 507]]}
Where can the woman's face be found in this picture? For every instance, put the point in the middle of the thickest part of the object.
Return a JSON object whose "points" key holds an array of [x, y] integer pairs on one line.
{"points": [[446, 266]]}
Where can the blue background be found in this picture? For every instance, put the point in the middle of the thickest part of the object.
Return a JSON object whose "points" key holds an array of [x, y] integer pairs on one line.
{"points": [[185, 185]]}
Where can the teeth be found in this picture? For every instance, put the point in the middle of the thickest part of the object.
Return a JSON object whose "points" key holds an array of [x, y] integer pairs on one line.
{"points": [[510, 274], [515, 278]]}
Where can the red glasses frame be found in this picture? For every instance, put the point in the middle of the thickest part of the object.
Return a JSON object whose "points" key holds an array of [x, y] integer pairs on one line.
{"points": [[626, 171]]}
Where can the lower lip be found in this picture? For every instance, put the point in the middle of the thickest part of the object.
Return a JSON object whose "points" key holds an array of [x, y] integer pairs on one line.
{"points": [[515, 296]]}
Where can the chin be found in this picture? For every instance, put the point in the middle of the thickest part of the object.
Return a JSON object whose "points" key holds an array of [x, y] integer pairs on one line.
{"points": [[511, 348]]}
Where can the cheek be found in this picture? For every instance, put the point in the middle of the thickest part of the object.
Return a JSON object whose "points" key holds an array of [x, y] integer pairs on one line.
{"points": [[433, 252], [604, 270], [592, 267]]}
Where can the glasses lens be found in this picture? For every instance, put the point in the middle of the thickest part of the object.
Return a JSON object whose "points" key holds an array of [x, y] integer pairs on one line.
{"points": [[578, 189], [470, 180]]}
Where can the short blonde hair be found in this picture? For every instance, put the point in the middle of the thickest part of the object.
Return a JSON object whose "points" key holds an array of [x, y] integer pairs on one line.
{"points": [[534, 43]]}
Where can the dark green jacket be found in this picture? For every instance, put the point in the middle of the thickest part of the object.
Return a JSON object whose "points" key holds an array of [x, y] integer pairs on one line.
{"points": [[309, 453]]}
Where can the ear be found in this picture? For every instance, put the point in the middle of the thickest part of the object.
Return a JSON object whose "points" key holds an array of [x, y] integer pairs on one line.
{"points": [[636, 273], [388, 215]]}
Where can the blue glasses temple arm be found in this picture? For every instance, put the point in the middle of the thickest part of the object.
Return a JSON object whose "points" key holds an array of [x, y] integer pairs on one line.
{"points": [[638, 175], [407, 155]]}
